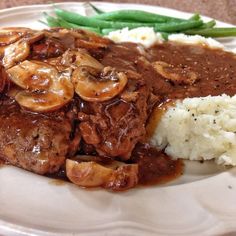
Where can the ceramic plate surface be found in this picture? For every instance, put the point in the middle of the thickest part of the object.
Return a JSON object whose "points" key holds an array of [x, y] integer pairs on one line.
{"points": [[201, 202]]}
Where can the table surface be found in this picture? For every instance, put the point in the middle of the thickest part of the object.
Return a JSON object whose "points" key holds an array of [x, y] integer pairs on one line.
{"points": [[224, 10]]}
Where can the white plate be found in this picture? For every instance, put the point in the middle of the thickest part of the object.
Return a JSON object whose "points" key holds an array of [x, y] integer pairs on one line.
{"points": [[201, 202]]}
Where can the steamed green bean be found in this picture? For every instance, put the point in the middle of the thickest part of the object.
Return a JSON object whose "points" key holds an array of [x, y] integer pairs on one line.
{"points": [[176, 27], [213, 32], [136, 15], [69, 25], [106, 22], [51, 21], [86, 21]]}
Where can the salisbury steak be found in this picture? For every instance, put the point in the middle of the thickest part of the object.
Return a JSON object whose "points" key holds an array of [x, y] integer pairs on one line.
{"points": [[35, 142], [114, 127]]}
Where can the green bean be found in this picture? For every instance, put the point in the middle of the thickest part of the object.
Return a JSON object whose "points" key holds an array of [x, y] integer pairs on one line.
{"points": [[164, 35], [86, 21], [177, 27], [51, 21], [196, 16], [136, 15], [107, 31], [209, 24], [68, 25], [97, 10], [104, 23], [165, 28], [213, 32]]}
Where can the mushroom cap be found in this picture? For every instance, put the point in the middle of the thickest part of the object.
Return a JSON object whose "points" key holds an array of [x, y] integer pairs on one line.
{"points": [[93, 86], [116, 176], [174, 74], [45, 88]]}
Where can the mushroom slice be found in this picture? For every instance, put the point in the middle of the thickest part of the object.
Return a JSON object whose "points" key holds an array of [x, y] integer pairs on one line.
{"points": [[15, 52], [87, 174], [84, 59], [11, 35], [20, 50], [57, 63], [35, 37], [32, 75], [41, 102], [89, 45], [46, 88], [80, 57], [175, 74], [89, 40], [124, 177], [93, 86], [87, 35], [117, 177]]}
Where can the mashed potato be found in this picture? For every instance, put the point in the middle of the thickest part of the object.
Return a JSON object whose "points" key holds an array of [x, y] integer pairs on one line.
{"points": [[199, 129], [143, 35], [147, 37]]}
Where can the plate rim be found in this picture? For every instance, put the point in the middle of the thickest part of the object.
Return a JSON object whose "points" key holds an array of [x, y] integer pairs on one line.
{"points": [[6, 227]]}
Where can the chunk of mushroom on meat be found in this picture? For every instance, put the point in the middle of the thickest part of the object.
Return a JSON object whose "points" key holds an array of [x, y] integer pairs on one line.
{"points": [[19, 50], [90, 36], [116, 176], [12, 34], [89, 40], [15, 52], [175, 74], [80, 57], [95, 86], [91, 80], [44, 87]]}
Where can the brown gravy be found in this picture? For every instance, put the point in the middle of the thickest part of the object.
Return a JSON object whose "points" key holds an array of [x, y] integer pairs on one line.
{"points": [[215, 70], [155, 167]]}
